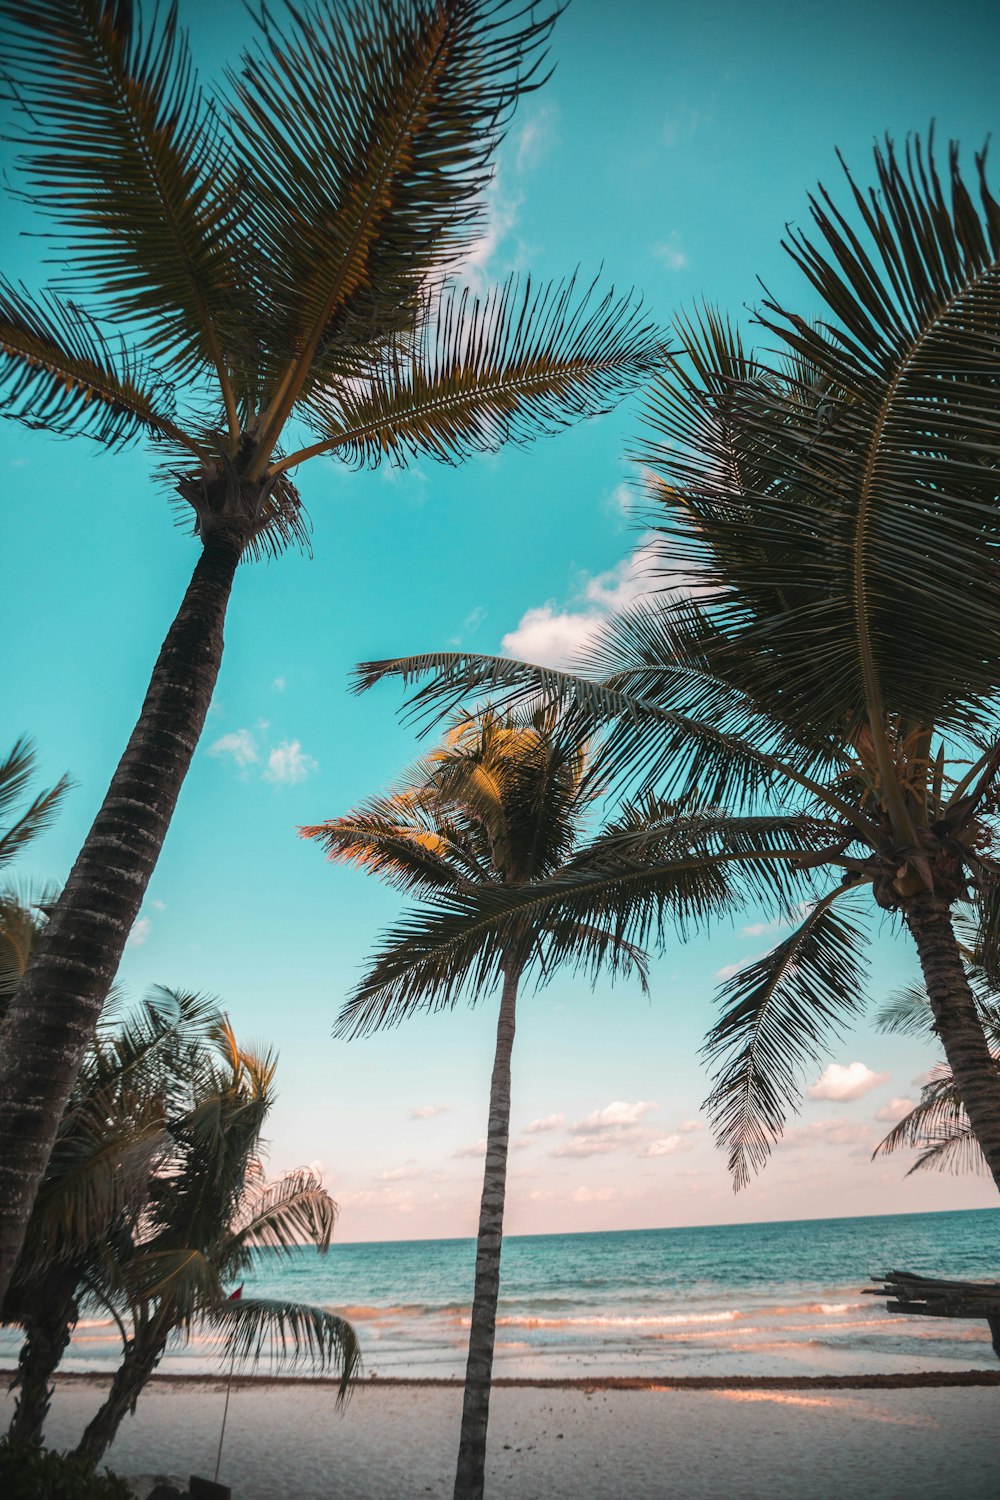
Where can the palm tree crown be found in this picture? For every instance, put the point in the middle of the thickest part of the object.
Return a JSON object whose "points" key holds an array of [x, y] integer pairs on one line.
{"points": [[815, 683], [251, 280]]}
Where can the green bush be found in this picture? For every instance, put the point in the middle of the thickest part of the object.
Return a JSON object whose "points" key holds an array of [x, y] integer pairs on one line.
{"points": [[28, 1472]]}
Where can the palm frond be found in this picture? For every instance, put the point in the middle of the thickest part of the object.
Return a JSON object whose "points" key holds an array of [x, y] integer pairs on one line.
{"points": [[123, 148], [484, 372], [381, 120], [281, 1215], [938, 1127], [780, 1012], [290, 1333], [16, 771], [388, 837], [906, 1012]]}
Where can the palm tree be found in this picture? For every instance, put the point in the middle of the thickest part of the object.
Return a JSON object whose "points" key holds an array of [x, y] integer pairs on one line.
{"points": [[499, 806], [265, 276], [18, 828], [207, 1210], [815, 682], [113, 1136]]}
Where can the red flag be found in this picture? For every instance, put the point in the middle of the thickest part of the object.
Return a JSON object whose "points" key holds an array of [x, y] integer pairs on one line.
{"points": [[235, 1296]]}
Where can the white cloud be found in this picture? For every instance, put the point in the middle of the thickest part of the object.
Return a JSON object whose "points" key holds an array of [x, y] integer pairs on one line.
{"points": [[669, 251], [894, 1111], [478, 1148], [428, 1111], [536, 138], [288, 764], [841, 1083], [547, 1122], [828, 1133], [613, 1116], [553, 637], [140, 933], [399, 1174], [728, 970], [474, 618], [758, 929], [665, 1145], [690, 1127], [500, 216], [592, 1195], [158, 905], [240, 744], [279, 684], [592, 1145], [683, 123]]}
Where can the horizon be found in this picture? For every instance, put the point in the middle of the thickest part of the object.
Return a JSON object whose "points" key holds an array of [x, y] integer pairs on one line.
{"points": [[644, 153]]}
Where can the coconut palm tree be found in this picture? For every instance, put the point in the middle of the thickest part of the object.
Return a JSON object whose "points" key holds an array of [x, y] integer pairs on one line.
{"points": [[815, 681], [499, 806], [114, 1135], [207, 1210], [250, 281]]}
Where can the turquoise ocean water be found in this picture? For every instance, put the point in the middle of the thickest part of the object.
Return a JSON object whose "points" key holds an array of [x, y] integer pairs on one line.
{"points": [[756, 1299]]}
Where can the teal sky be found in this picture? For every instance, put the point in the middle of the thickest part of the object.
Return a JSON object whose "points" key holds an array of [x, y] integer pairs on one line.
{"points": [[671, 147]]}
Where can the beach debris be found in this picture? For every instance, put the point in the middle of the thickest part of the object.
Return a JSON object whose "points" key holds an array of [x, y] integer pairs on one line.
{"points": [[933, 1297]]}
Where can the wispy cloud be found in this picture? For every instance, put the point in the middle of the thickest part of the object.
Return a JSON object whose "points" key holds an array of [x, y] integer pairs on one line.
{"points": [[140, 932], [279, 684], [429, 1111], [240, 744], [894, 1111], [841, 1083], [671, 252], [616, 1127], [478, 1148], [536, 138], [288, 764], [547, 1122]]}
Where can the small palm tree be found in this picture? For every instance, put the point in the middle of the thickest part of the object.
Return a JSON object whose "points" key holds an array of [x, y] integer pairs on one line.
{"points": [[208, 1208], [816, 682], [498, 807], [265, 276], [113, 1136]]}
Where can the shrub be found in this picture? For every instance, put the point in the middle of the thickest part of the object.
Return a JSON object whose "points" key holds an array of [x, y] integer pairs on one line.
{"points": [[28, 1472]]}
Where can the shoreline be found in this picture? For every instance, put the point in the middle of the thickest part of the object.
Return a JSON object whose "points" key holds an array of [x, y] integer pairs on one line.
{"points": [[917, 1380]]}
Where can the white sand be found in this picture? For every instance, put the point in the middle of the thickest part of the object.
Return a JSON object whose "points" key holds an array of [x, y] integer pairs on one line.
{"points": [[399, 1442]]}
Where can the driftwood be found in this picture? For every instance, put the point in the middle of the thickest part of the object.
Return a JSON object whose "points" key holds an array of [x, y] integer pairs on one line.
{"points": [[932, 1297]]}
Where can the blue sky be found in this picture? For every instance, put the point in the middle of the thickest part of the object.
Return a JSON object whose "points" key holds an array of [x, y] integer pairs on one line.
{"points": [[671, 147]]}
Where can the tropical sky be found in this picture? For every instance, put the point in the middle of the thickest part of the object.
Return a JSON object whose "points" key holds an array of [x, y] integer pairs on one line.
{"points": [[667, 152]]}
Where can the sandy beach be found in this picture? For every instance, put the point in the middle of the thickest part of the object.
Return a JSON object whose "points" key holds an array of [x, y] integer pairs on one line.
{"points": [[756, 1440]]}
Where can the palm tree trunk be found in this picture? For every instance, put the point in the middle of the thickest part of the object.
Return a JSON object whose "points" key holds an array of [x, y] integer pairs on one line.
{"points": [[956, 1020], [52, 1016], [471, 1473], [47, 1331], [142, 1356]]}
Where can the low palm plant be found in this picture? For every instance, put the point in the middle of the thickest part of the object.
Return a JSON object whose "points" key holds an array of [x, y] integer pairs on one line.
{"points": [[112, 1138], [816, 681], [502, 804], [248, 282], [208, 1208]]}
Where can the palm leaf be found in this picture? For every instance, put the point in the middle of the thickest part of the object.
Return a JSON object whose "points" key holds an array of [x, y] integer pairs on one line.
{"points": [[389, 837], [780, 1012], [125, 151], [281, 1215], [906, 1012], [484, 372], [291, 1333], [367, 131], [59, 374], [939, 1128], [16, 770]]}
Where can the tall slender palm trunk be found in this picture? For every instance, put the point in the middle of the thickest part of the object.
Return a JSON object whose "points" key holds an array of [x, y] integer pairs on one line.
{"points": [[142, 1356], [957, 1022], [471, 1473], [52, 1016]]}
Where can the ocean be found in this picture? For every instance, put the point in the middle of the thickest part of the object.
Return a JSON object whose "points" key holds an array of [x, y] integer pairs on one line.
{"points": [[753, 1299]]}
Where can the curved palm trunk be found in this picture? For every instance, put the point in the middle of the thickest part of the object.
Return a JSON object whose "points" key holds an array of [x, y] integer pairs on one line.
{"points": [[957, 1022], [470, 1477], [52, 1016], [47, 1332], [142, 1356]]}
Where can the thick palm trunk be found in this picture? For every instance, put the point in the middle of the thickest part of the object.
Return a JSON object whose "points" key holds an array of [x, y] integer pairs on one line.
{"points": [[52, 1015], [47, 1332], [142, 1356], [470, 1477], [957, 1022]]}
